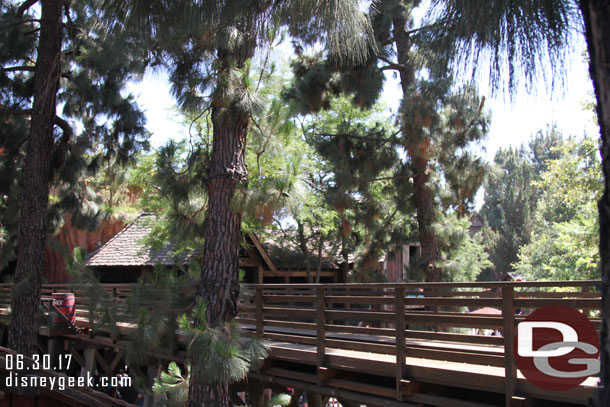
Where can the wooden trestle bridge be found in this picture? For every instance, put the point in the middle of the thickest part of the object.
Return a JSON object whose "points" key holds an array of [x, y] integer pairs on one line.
{"points": [[408, 344]]}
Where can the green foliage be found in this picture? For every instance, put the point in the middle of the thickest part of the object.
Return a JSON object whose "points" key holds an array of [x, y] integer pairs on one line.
{"points": [[279, 400], [512, 193], [358, 183], [438, 129], [171, 388], [99, 126], [463, 257], [219, 354], [521, 40], [564, 244]]}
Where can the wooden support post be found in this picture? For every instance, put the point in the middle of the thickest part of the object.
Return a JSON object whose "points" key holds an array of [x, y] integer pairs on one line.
{"points": [[314, 399], [296, 396], [260, 312], [53, 349], [401, 352], [508, 316], [259, 274], [89, 362], [320, 326], [256, 394]]}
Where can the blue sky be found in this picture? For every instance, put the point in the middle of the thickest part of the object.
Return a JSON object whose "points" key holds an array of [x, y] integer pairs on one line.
{"points": [[513, 121]]}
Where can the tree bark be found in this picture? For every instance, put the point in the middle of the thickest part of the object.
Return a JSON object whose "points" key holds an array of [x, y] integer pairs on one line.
{"points": [[596, 14], [418, 152], [34, 198], [304, 250], [219, 281]]}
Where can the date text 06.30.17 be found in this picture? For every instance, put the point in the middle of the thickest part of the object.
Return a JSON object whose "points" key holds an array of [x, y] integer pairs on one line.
{"points": [[37, 362]]}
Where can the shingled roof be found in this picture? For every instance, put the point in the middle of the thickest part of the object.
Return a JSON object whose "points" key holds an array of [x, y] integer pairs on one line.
{"points": [[126, 248], [286, 255]]}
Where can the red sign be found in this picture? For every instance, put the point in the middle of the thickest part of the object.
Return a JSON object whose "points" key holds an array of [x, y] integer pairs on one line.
{"points": [[557, 348]]}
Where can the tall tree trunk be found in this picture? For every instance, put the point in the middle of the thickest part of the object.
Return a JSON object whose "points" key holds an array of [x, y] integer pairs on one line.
{"points": [[424, 204], [219, 282], [34, 198], [304, 250], [319, 266], [596, 14], [344, 266], [418, 152]]}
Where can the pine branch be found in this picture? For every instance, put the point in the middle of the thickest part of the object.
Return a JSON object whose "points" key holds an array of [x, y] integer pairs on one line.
{"points": [[16, 23], [67, 130], [346, 135], [388, 68], [262, 151], [15, 112], [383, 178], [34, 31], [388, 41], [394, 65], [24, 7], [20, 68], [423, 28]]}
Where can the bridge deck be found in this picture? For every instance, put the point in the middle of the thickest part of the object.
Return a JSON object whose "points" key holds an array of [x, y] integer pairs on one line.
{"points": [[343, 338]]}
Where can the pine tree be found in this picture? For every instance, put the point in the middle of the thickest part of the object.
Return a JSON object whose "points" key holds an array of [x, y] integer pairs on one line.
{"points": [[436, 124], [511, 196], [52, 59], [208, 47]]}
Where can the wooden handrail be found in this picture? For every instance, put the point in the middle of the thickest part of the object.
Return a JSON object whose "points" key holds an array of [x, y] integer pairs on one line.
{"points": [[476, 284]]}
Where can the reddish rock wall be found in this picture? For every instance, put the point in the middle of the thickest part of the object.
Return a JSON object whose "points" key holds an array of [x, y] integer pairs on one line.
{"points": [[55, 264]]}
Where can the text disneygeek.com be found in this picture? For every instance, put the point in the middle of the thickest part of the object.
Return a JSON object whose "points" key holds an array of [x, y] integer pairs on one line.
{"points": [[14, 380]]}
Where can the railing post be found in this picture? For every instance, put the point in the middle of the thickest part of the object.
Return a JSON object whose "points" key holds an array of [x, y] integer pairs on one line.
{"points": [[320, 326], [260, 316], [508, 317], [401, 352]]}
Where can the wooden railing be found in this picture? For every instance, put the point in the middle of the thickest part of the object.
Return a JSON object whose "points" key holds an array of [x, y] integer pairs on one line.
{"points": [[407, 322], [412, 320]]}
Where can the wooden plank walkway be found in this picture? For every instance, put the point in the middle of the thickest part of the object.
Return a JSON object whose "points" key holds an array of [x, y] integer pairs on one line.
{"points": [[342, 338]]}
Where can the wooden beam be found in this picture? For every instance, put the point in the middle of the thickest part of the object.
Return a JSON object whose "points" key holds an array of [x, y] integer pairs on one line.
{"points": [[79, 359], [401, 351], [87, 368], [261, 250], [510, 367], [320, 327], [102, 363], [120, 354]]}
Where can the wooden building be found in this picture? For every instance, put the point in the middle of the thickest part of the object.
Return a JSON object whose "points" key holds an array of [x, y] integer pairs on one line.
{"points": [[125, 257]]}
